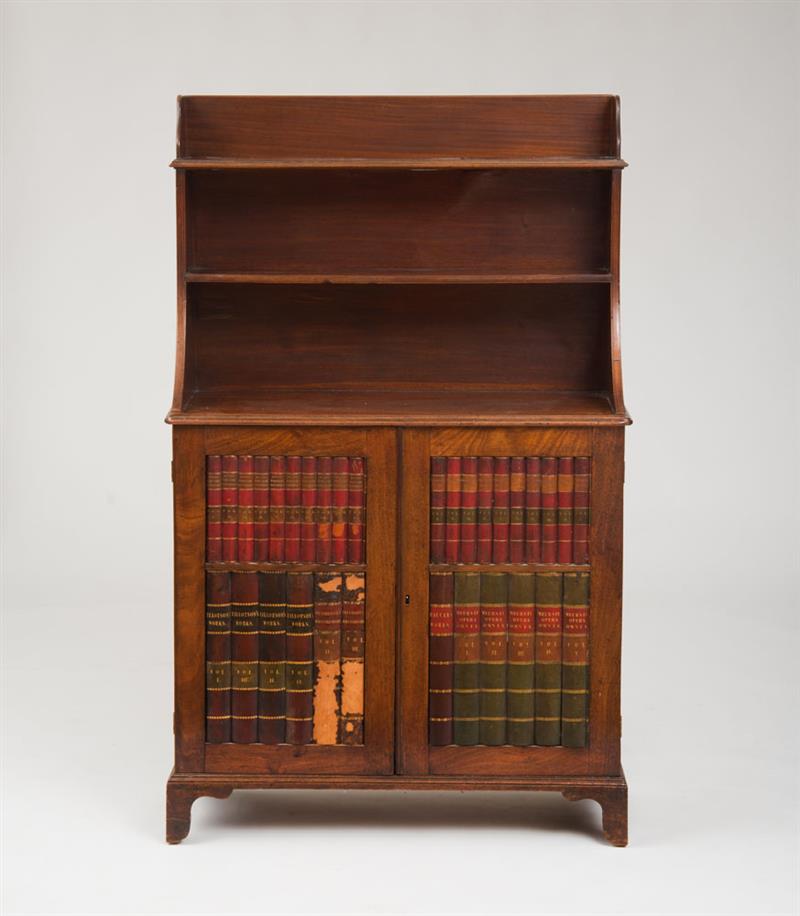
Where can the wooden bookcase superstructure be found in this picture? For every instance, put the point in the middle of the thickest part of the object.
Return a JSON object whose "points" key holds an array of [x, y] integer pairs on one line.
{"points": [[399, 278]]}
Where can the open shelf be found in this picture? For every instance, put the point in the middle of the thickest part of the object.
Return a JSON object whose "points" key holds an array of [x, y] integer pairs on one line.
{"points": [[396, 277], [411, 162]]}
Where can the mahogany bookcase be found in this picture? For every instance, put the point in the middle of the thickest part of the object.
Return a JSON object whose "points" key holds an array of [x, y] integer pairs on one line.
{"points": [[415, 287]]}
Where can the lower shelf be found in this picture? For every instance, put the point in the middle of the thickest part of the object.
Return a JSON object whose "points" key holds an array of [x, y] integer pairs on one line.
{"points": [[610, 792]]}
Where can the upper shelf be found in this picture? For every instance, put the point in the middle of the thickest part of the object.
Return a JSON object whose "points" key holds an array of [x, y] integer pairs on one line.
{"points": [[395, 277], [408, 162]]}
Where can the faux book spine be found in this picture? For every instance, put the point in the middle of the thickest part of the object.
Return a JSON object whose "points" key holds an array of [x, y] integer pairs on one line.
{"points": [[218, 657], [468, 550], [293, 508], [355, 512], [272, 658], [245, 536], [230, 506], [261, 507], [548, 659], [575, 661], [438, 493], [581, 519], [566, 504], [327, 656], [466, 657], [493, 658], [351, 720], [299, 656], [519, 690], [244, 662], [214, 508], [440, 678], [277, 508], [308, 499], [453, 510]]}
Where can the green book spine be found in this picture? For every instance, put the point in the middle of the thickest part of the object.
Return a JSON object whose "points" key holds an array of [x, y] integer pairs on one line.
{"points": [[547, 668], [575, 662], [466, 657], [494, 633], [519, 688]]}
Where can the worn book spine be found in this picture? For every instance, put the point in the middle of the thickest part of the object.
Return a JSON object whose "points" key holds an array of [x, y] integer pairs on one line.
{"points": [[468, 551], [214, 508], [351, 719], [355, 512], [547, 666], [272, 658], [299, 656], [261, 507], [453, 510], [575, 660], [516, 517], [500, 511], [308, 499], [327, 656], [549, 510], [340, 497], [245, 622], [566, 505], [438, 491], [533, 510], [440, 673], [485, 496], [230, 506], [580, 525], [466, 657], [493, 658], [218, 657], [245, 533], [293, 508], [277, 507], [519, 689], [324, 509]]}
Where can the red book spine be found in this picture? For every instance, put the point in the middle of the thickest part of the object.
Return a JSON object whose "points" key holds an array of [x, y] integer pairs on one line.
{"points": [[580, 529], [533, 511], [214, 508], [485, 489], [469, 510], [324, 509], [245, 532], [453, 510], [218, 657], [244, 662], [438, 490], [566, 485], [261, 507], [230, 508], [355, 512], [500, 512], [308, 523], [277, 507], [293, 510], [516, 518], [339, 525], [549, 509]]}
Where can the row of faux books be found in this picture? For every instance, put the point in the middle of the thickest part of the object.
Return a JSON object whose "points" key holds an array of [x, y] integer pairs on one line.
{"points": [[510, 510], [263, 508], [509, 658], [285, 657]]}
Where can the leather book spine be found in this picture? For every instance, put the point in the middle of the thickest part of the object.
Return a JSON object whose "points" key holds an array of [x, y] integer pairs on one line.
{"points": [[351, 720], [440, 667], [355, 511], [493, 658], [468, 551], [500, 511], [218, 657], [519, 689], [581, 520], [327, 656], [272, 658], [261, 507], [293, 508], [245, 623], [324, 508], [308, 499], [245, 532], [547, 665], [566, 505], [453, 510], [438, 491], [214, 508], [533, 510], [575, 661], [516, 517], [485, 497], [549, 509], [299, 657], [466, 657], [277, 508], [341, 476], [230, 506]]}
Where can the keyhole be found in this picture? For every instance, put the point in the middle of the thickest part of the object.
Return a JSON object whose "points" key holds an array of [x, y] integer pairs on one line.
{"points": [[407, 599]]}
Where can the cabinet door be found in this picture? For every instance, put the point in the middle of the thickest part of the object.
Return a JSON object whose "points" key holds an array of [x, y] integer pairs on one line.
{"points": [[285, 600], [510, 621]]}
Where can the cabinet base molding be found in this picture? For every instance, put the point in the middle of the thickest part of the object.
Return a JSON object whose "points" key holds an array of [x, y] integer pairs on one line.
{"points": [[610, 792]]}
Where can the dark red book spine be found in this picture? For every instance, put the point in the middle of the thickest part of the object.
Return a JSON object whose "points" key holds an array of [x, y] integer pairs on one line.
{"points": [[293, 510], [355, 512], [469, 510], [485, 491], [566, 483], [580, 525], [516, 517], [245, 542], [549, 509], [214, 508], [324, 509], [438, 491], [299, 657], [277, 507], [272, 661], [440, 675], [533, 511], [340, 497], [453, 510], [308, 522], [244, 661], [218, 657], [230, 507], [261, 507], [500, 512]]}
